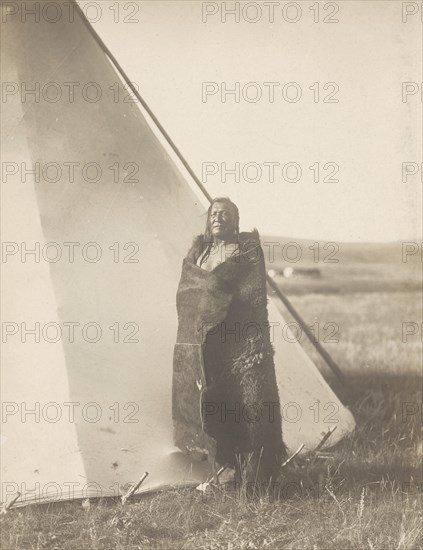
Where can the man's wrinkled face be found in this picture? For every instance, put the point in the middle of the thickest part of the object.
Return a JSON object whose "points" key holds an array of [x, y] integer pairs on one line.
{"points": [[222, 220]]}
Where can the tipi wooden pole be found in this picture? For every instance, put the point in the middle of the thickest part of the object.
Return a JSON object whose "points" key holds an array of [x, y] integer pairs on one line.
{"points": [[191, 172], [328, 359]]}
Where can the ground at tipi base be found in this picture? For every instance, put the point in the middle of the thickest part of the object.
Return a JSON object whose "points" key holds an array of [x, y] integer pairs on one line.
{"points": [[367, 495]]}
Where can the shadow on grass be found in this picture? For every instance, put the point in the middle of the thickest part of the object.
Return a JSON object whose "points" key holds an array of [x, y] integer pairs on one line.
{"points": [[384, 450]]}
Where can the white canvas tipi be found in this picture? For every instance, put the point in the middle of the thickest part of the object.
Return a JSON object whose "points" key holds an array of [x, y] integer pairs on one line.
{"points": [[89, 188]]}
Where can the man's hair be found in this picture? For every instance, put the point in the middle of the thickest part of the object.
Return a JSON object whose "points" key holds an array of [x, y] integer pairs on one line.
{"points": [[208, 239]]}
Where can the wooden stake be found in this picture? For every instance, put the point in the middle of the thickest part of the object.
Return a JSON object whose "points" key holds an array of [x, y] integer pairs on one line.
{"points": [[203, 486], [297, 452], [325, 438], [134, 488], [9, 504]]}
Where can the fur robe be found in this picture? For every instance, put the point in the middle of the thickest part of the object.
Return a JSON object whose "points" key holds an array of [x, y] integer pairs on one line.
{"points": [[225, 399]]}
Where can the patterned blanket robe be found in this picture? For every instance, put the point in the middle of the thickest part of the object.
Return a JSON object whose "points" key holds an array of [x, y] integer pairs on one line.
{"points": [[225, 399]]}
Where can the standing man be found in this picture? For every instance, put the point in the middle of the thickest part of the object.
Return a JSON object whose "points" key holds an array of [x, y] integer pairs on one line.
{"points": [[225, 397]]}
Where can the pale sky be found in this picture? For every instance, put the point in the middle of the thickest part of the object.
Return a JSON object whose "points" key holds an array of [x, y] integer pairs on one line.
{"points": [[369, 133]]}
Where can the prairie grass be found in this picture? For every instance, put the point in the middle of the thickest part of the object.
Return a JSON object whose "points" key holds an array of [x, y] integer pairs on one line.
{"points": [[366, 493]]}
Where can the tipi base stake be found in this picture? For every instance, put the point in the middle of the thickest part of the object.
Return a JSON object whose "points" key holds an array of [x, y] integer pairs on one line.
{"points": [[297, 452], [325, 438], [213, 480], [133, 489], [9, 504]]}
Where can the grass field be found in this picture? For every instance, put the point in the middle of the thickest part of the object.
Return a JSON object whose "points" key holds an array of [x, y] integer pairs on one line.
{"points": [[367, 493]]}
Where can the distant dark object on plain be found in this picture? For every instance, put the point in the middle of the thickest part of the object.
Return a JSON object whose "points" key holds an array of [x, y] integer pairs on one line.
{"points": [[289, 272]]}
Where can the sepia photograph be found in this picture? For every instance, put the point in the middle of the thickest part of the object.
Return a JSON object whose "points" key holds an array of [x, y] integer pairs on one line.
{"points": [[211, 275]]}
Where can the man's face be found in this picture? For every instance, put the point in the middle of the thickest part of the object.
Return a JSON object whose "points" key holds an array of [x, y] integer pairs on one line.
{"points": [[222, 220]]}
